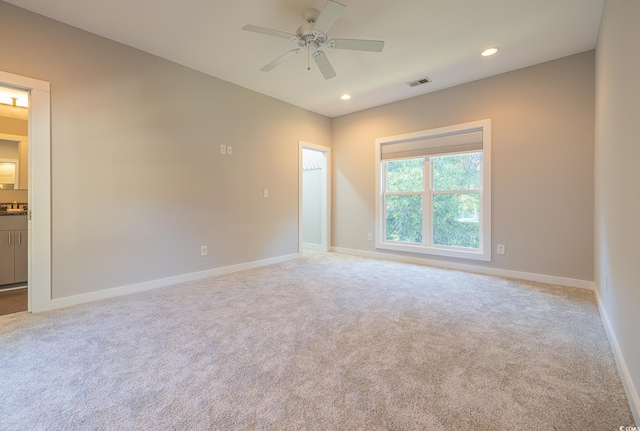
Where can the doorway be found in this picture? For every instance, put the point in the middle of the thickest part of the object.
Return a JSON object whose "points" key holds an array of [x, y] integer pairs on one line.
{"points": [[315, 197], [14, 110], [39, 188]]}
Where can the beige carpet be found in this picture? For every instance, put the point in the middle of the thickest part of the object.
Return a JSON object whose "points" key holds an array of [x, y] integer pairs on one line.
{"points": [[326, 342]]}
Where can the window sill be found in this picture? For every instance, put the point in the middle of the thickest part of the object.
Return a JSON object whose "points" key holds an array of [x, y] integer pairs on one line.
{"points": [[459, 253]]}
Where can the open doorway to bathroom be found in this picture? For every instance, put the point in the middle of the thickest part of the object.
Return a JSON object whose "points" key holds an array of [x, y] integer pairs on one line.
{"points": [[30, 196], [14, 204], [315, 197]]}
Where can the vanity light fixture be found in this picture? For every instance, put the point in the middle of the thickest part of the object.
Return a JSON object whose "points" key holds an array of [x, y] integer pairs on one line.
{"points": [[345, 97], [14, 98], [489, 51], [22, 102]]}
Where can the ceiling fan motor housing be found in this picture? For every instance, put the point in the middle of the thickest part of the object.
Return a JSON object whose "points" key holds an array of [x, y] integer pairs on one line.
{"points": [[305, 34]]}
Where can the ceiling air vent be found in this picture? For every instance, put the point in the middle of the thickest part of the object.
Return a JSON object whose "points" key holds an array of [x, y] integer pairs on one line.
{"points": [[418, 82]]}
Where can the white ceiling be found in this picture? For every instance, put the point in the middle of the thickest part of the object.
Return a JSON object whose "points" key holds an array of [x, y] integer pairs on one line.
{"points": [[439, 39]]}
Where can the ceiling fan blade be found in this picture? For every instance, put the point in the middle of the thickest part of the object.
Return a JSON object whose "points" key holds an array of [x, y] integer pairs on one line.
{"points": [[284, 57], [268, 31], [323, 64], [328, 16], [356, 44]]}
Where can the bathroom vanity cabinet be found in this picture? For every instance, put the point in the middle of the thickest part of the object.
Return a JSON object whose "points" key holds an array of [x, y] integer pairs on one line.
{"points": [[13, 249]]}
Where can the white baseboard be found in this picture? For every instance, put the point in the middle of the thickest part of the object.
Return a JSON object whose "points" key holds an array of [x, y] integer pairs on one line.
{"points": [[550, 279], [163, 282], [629, 387]]}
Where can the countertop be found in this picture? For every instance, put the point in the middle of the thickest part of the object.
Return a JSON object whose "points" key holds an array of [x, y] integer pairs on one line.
{"points": [[13, 213]]}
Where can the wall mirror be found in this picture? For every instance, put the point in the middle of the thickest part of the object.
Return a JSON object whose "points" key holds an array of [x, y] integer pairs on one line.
{"points": [[14, 117], [9, 174], [13, 163]]}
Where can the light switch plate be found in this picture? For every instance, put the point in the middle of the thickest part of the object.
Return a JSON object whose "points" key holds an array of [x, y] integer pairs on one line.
{"points": [[265, 193], [223, 149], [229, 149]]}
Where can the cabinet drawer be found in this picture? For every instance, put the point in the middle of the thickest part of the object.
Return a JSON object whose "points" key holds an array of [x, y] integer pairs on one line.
{"points": [[13, 222]]}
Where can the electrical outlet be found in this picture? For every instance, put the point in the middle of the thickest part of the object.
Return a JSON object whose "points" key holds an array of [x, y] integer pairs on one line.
{"points": [[500, 249], [265, 193], [203, 250], [223, 149], [369, 237], [229, 150]]}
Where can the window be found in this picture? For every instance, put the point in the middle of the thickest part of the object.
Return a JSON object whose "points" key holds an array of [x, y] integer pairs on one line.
{"points": [[434, 191]]}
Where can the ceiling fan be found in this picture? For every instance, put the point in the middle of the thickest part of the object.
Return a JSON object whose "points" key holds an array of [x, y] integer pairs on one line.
{"points": [[313, 35]]}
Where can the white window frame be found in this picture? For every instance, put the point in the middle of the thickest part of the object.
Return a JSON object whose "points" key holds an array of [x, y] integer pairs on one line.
{"points": [[483, 253]]}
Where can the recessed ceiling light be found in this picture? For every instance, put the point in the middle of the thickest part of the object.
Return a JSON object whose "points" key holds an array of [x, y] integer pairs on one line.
{"points": [[345, 97], [489, 51]]}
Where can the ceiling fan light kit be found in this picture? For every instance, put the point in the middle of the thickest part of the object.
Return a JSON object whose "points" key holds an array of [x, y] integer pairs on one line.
{"points": [[312, 35]]}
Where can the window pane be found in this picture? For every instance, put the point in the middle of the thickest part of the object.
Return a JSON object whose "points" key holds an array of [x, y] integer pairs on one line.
{"points": [[404, 218], [405, 175], [457, 171], [456, 219]]}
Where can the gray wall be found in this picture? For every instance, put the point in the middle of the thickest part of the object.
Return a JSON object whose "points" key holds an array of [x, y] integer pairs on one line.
{"points": [[542, 143], [617, 184], [138, 182]]}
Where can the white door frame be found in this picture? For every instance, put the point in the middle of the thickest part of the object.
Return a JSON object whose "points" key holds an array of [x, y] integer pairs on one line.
{"points": [[326, 228], [39, 245]]}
